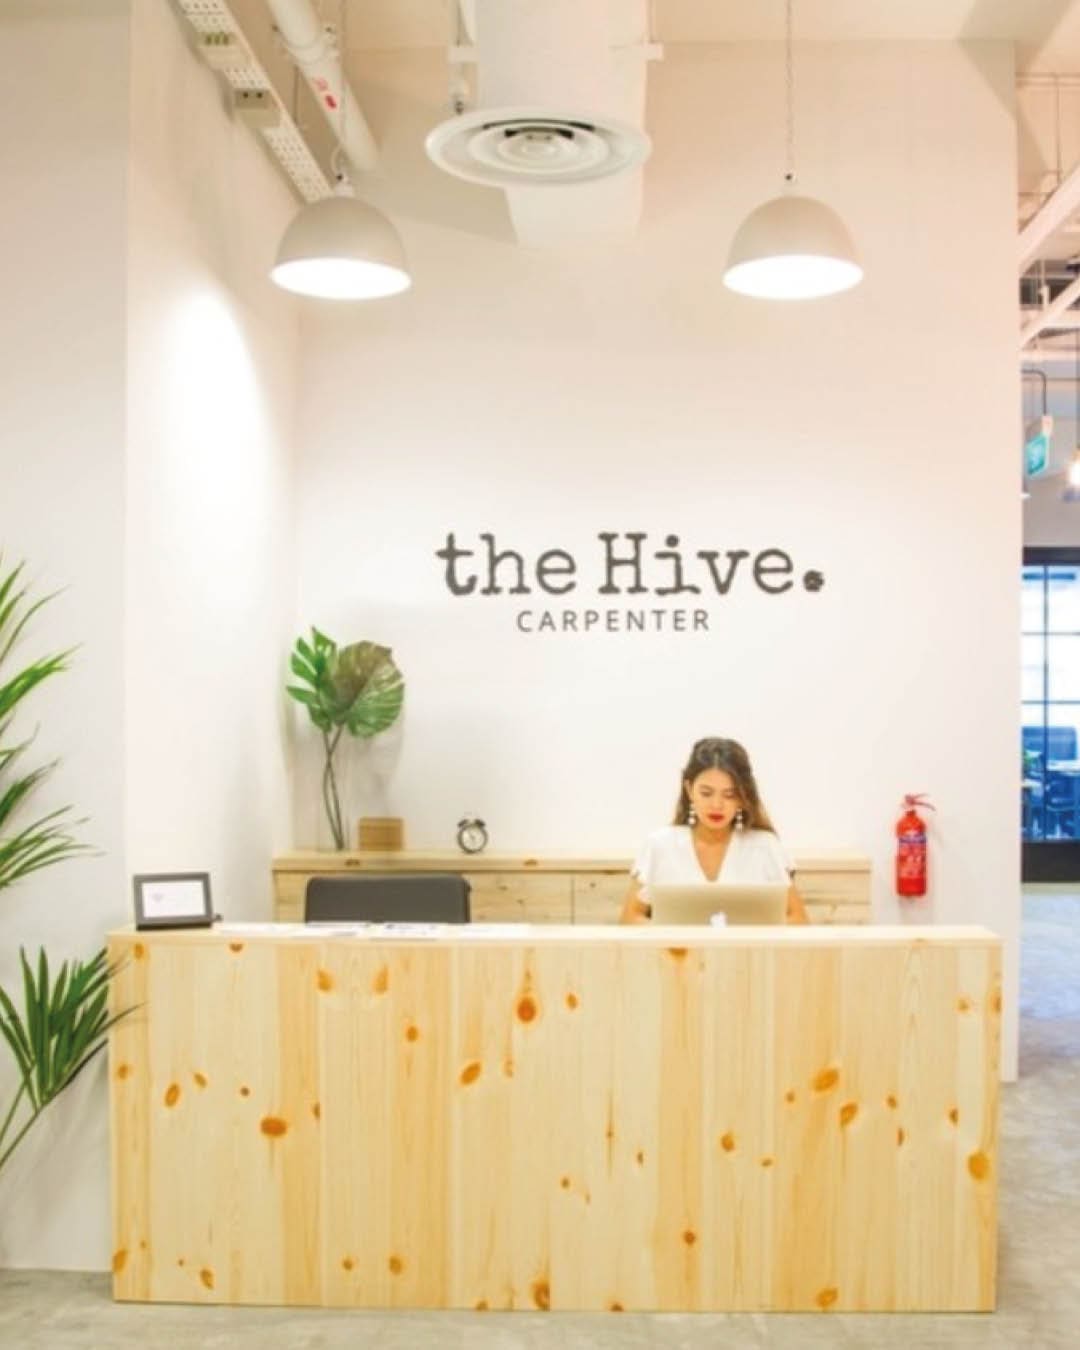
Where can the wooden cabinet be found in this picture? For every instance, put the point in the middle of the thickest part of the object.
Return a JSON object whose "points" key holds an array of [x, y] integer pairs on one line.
{"points": [[521, 888]]}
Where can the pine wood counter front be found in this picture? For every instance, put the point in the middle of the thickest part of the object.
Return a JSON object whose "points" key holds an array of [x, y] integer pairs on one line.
{"points": [[558, 1117]]}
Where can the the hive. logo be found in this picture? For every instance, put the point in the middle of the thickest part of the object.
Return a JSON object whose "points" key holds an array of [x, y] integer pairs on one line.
{"points": [[623, 565]]}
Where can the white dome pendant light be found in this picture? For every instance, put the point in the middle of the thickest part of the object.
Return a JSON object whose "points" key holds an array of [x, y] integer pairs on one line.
{"points": [[337, 248], [793, 247], [341, 248]]}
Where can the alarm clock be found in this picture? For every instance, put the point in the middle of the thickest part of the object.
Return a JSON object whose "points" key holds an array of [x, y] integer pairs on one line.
{"points": [[472, 835]]}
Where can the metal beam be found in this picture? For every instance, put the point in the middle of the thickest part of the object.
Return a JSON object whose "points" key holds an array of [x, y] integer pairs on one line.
{"points": [[1051, 216], [1045, 319]]}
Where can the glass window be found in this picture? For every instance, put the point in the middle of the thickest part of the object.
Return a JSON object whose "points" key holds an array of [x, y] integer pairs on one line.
{"points": [[1050, 708], [1062, 668], [1063, 600], [1032, 594], [1033, 669]]}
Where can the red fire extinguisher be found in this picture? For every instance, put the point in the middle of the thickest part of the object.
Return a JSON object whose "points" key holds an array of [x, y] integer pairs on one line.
{"points": [[911, 847]]}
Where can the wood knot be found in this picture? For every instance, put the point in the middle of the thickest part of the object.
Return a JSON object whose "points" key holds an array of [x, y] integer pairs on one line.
{"points": [[571, 1001], [172, 1094], [727, 1142], [827, 1297], [564, 1182], [138, 951], [347, 1263], [119, 1260], [481, 1305], [900, 1137], [395, 1265], [207, 1277], [123, 1071], [978, 1165], [639, 1157], [273, 1126], [954, 1116], [789, 1096], [615, 1306], [826, 1080], [508, 1068], [767, 1161], [891, 1102], [381, 983], [200, 1079], [324, 980], [677, 953], [412, 1033], [541, 1295], [236, 946], [526, 1009], [995, 1001], [316, 1110], [848, 1112], [963, 1004], [689, 1237], [245, 1091], [470, 1073]]}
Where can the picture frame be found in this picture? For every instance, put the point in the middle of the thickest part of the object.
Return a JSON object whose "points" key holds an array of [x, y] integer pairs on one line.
{"points": [[172, 900]]}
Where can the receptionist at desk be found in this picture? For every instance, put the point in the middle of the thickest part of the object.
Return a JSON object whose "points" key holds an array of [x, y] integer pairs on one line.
{"points": [[721, 833]]}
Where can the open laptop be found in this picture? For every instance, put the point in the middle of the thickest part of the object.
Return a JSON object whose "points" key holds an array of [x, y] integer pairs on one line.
{"points": [[697, 903]]}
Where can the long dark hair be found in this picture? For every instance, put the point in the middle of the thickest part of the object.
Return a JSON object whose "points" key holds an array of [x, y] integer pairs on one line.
{"points": [[729, 757]]}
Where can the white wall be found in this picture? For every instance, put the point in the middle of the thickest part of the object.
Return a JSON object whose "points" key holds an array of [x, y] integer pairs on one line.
{"points": [[550, 396], [140, 223], [62, 335], [210, 570]]}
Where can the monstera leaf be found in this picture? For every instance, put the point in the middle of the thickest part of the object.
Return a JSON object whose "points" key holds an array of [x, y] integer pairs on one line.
{"points": [[357, 689]]}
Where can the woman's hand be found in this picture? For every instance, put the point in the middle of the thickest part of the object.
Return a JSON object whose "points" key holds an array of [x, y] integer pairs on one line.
{"points": [[634, 909]]}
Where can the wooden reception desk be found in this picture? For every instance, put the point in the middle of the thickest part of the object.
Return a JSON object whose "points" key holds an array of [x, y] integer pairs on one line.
{"points": [[557, 1117]]}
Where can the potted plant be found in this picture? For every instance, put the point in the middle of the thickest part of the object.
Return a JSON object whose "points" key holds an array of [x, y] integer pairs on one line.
{"points": [[356, 689], [65, 1020]]}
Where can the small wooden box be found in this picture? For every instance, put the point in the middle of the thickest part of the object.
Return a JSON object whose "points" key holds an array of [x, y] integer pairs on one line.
{"points": [[381, 834]]}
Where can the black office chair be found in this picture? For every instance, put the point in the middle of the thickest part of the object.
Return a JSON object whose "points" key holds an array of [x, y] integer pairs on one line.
{"points": [[1062, 805], [418, 897]]}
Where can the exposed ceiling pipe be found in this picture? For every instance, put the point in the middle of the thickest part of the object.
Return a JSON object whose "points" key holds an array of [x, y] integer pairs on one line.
{"points": [[317, 56], [1058, 208]]}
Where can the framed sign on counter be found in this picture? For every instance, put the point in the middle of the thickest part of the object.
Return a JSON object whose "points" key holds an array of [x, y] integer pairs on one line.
{"points": [[173, 900]]}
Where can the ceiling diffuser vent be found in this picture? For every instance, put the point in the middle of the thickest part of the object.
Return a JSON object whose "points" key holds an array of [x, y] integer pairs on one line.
{"points": [[515, 147]]}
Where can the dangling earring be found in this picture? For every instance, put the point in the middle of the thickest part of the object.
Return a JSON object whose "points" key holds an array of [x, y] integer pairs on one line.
{"points": [[691, 817], [740, 820]]}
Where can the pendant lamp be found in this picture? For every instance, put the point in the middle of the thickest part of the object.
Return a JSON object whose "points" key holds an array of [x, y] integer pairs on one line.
{"points": [[793, 247], [340, 248]]}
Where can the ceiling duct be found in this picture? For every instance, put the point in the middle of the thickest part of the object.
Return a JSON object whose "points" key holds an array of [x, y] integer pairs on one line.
{"points": [[560, 103]]}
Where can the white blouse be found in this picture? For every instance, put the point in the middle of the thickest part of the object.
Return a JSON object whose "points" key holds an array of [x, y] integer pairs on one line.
{"points": [[667, 858]]}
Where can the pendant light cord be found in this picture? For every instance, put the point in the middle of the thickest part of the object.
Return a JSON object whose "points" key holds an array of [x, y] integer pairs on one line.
{"points": [[789, 174]]}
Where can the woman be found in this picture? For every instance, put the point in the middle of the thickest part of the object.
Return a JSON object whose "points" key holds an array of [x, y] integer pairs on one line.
{"points": [[722, 832]]}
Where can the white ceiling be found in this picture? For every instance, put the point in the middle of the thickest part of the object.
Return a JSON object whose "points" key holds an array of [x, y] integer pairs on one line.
{"points": [[1047, 31]]}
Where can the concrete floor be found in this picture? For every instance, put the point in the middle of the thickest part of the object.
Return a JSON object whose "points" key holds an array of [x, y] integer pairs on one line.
{"points": [[1039, 1288]]}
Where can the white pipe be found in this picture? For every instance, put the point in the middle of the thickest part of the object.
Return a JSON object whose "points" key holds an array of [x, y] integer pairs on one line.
{"points": [[318, 59]]}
